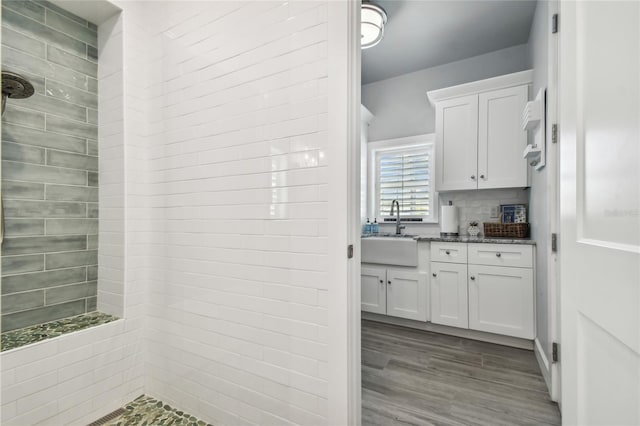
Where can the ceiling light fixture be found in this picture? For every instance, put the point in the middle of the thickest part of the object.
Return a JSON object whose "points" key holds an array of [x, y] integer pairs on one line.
{"points": [[373, 20]]}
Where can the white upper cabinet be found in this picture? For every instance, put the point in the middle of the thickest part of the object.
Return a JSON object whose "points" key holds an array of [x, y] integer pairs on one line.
{"points": [[501, 139], [457, 143], [479, 135]]}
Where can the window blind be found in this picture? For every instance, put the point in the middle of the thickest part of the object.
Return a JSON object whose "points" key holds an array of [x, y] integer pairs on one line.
{"points": [[405, 175]]}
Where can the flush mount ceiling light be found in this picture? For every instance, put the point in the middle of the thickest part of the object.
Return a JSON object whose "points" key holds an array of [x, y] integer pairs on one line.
{"points": [[372, 25]]}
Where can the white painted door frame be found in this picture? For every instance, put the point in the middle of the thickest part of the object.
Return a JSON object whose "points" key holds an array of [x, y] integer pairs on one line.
{"points": [[344, 383], [553, 200]]}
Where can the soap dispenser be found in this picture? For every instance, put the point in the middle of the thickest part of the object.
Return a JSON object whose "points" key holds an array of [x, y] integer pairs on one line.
{"points": [[367, 227], [374, 227]]}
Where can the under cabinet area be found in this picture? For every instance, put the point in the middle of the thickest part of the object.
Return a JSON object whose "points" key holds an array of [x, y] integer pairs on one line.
{"points": [[501, 300], [395, 292], [483, 287], [407, 294], [373, 290], [478, 287], [449, 294]]}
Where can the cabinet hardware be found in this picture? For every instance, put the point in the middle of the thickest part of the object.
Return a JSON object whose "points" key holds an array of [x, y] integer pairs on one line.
{"points": [[473, 177], [381, 281], [389, 282], [481, 176], [472, 278], [498, 255], [554, 242], [350, 251], [448, 252], [434, 274], [554, 352]]}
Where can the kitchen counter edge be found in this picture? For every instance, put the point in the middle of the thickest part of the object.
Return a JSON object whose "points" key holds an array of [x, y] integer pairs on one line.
{"points": [[480, 240]]}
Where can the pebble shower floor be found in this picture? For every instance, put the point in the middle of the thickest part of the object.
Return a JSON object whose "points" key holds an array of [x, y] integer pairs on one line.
{"points": [[147, 411]]}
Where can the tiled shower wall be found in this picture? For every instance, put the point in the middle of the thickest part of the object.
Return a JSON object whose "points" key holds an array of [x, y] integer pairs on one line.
{"points": [[49, 166], [237, 319]]}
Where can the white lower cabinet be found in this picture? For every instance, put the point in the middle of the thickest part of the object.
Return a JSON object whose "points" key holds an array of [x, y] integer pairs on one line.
{"points": [[482, 287], [373, 291], [394, 292], [407, 294], [449, 294], [501, 300]]}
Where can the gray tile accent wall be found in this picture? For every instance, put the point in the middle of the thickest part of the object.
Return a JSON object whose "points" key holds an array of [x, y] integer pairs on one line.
{"points": [[49, 166]]}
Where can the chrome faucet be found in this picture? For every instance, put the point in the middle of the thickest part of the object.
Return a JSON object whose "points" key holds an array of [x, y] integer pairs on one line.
{"points": [[399, 228]]}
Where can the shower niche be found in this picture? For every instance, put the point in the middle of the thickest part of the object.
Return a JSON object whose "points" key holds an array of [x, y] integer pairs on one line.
{"points": [[50, 174]]}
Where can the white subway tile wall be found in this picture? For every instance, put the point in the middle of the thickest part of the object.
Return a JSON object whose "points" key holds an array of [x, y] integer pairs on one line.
{"points": [[49, 165], [237, 326]]}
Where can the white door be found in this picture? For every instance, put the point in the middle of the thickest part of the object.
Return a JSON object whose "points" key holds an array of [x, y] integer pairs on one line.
{"points": [[501, 139], [501, 300], [457, 143], [600, 212], [373, 290], [407, 294], [448, 294]]}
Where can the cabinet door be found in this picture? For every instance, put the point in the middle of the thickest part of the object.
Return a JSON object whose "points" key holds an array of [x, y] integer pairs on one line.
{"points": [[501, 300], [457, 143], [407, 294], [449, 294], [501, 139], [373, 290]]}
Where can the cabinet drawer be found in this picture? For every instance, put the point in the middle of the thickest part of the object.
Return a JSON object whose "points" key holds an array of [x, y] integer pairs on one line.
{"points": [[519, 256], [449, 252]]}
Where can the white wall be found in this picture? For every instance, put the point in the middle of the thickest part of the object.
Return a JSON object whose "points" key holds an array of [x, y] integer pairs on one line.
{"points": [[237, 316], [539, 194], [400, 106]]}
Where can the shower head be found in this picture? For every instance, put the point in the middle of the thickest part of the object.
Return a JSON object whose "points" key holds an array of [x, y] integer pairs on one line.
{"points": [[14, 86]]}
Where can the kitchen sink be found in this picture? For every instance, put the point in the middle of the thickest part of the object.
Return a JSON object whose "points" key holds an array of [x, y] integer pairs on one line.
{"points": [[390, 249]]}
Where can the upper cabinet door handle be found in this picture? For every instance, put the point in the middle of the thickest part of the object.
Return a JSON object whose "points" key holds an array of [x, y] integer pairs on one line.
{"points": [[498, 255], [473, 177], [434, 274], [381, 281], [472, 278], [481, 176]]}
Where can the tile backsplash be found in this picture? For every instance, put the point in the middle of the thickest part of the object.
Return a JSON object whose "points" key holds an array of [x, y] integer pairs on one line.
{"points": [[49, 166], [474, 205]]}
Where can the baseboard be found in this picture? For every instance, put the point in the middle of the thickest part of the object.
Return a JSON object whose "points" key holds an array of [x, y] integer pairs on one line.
{"points": [[543, 362], [453, 331]]}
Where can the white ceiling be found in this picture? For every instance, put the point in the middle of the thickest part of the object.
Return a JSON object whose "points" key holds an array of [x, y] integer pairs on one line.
{"points": [[426, 33]]}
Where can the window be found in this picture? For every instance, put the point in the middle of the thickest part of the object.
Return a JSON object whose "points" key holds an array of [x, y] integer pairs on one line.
{"points": [[404, 173]]}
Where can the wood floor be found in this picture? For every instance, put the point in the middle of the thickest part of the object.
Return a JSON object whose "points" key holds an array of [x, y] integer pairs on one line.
{"points": [[413, 377]]}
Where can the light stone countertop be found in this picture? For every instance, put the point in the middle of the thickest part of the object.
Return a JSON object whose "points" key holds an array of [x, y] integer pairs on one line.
{"points": [[467, 239], [460, 239]]}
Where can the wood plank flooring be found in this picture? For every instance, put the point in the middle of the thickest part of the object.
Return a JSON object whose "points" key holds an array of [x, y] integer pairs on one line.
{"points": [[414, 377]]}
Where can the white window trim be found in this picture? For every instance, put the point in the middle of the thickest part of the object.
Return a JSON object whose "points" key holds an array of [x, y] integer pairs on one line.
{"points": [[372, 172]]}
